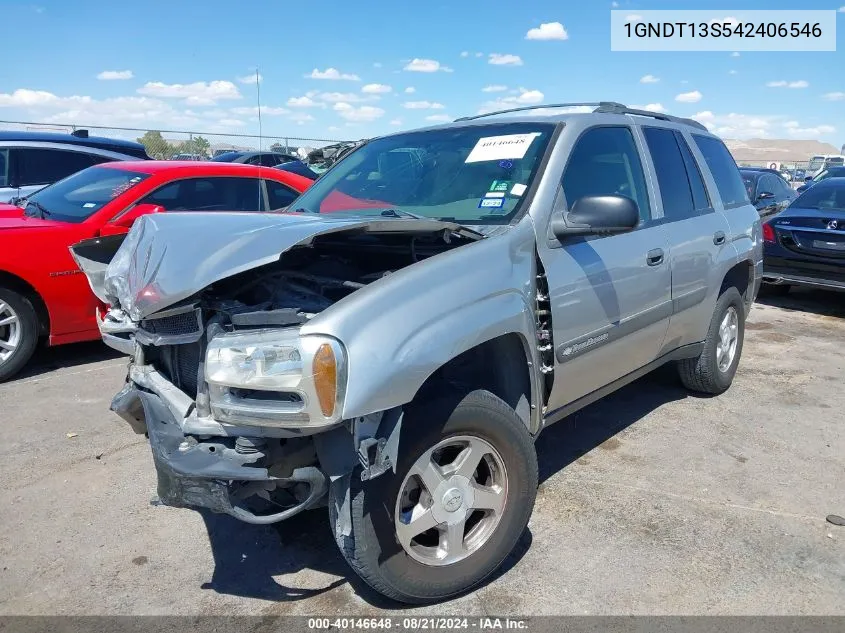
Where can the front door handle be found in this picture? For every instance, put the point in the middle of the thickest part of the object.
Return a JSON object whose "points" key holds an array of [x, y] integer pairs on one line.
{"points": [[719, 238], [655, 257]]}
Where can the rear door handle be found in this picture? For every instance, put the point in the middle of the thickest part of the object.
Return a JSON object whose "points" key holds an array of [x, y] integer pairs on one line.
{"points": [[719, 238], [655, 257]]}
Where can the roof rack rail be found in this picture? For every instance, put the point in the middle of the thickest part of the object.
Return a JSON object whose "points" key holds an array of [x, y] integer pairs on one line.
{"points": [[593, 104], [607, 107], [618, 108]]}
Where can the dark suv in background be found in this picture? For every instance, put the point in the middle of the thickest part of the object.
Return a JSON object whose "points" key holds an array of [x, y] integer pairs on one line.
{"points": [[30, 161], [767, 190]]}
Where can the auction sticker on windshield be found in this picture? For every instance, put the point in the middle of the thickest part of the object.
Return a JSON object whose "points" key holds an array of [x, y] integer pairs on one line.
{"points": [[510, 146]]}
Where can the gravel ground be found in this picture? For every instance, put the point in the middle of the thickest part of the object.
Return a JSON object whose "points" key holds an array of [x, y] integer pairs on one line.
{"points": [[652, 501]]}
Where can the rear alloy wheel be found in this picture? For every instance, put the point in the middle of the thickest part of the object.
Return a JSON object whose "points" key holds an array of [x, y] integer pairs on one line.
{"points": [[461, 498], [714, 369], [18, 332]]}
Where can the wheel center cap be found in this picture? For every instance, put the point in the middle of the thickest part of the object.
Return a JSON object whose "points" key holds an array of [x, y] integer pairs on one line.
{"points": [[452, 500]]}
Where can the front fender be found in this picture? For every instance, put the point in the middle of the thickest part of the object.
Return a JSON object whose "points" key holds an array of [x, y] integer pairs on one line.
{"points": [[395, 380]]}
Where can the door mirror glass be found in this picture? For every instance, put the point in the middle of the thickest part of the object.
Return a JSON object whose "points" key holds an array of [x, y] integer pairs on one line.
{"points": [[128, 218], [598, 215]]}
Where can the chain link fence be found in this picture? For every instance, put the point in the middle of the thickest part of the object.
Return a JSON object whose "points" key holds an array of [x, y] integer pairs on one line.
{"points": [[181, 144]]}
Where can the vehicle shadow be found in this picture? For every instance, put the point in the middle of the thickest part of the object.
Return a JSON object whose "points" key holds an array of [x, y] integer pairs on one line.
{"points": [[575, 436], [48, 359], [821, 302], [247, 558]]}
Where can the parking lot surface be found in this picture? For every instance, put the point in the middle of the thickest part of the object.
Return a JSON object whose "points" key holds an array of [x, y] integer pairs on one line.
{"points": [[651, 501]]}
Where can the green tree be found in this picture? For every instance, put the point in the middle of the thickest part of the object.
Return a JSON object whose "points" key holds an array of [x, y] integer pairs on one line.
{"points": [[156, 146], [201, 146]]}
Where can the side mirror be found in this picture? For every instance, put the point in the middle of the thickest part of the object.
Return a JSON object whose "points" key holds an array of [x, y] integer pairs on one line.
{"points": [[598, 215], [802, 188], [765, 195], [807, 178], [127, 219]]}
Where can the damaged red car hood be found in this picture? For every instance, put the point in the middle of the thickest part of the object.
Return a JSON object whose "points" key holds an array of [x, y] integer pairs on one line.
{"points": [[169, 257]]}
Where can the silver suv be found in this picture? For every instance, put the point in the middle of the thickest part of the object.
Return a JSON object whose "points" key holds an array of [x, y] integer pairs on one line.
{"points": [[393, 344]]}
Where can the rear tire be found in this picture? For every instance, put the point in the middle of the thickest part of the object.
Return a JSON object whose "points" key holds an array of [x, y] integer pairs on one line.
{"points": [[18, 332], [711, 371], [423, 569]]}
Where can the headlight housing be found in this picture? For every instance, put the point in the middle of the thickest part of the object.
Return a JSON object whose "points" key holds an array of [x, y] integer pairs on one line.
{"points": [[275, 378]]}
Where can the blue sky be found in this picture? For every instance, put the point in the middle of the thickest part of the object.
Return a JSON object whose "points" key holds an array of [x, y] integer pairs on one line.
{"points": [[380, 66]]}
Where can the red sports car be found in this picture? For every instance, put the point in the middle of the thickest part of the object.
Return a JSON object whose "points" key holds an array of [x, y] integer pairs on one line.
{"points": [[43, 294]]}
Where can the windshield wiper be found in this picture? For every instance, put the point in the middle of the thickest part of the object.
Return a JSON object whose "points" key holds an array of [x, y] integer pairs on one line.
{"points": [[42, 211], [398, 213]]}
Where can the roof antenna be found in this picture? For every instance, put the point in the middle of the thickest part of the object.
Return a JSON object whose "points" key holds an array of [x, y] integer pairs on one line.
{"points": [[260, 135]]}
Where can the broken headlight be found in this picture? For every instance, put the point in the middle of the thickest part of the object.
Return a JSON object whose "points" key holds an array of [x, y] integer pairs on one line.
{"points": [[275, 378]]}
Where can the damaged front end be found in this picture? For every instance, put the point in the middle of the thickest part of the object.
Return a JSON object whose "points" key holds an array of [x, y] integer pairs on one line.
{"points": [[241, 401]]}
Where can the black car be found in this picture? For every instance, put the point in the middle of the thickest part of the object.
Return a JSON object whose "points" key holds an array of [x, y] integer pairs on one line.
{"points": [[824, 174], [805, 244], [265, 159], [767, 190]]}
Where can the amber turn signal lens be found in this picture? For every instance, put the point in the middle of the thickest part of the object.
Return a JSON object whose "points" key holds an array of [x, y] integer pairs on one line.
{"points": [[325, 378]]}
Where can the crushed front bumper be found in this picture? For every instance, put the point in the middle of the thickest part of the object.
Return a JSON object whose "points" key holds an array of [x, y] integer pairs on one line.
{"points": [[207, 473]]}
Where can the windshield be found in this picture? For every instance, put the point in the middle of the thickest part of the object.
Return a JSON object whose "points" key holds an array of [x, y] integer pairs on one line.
{"points": [[817, 162], [834, 162], [471, 174], [77, 197], [822, 197]]}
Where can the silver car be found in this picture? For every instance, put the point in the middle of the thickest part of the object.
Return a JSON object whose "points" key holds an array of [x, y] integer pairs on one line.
{"points": [[393, 344], [29, 161]]}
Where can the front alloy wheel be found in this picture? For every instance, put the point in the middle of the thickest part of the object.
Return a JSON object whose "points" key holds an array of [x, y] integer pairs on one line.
{"points": [[460, 499]]}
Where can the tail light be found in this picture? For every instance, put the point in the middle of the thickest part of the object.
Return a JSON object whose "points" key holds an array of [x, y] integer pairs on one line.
{"points": [[768, 233]]}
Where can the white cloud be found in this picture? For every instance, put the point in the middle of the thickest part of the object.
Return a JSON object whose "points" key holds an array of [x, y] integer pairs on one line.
{"points": [[396, 122], [548, 31], [426, 66], [361, 113], [842, 9], [464, 53], [112, 75], [812, 132], [197, 93], [479, 54], [525, 97], [614, 4], [494, 88], [438, 118], [634, 17], [650, 107], [423, 105], [375, 65], [732, 72], [337, 97], [376, 89], [231, 123], [649, 79], [332, 73], [791, 125], [304, 102], [300, 117], [689, 97], [787, 84], [253, 111], [410, 90], [834, 96], [252, 78], [23, 97], [499, 59], [735, 54]]}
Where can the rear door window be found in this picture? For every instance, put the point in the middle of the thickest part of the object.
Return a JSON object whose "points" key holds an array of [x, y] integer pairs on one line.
{"points": [[723, 167], [700, 198], [37, 166], [672, 178], [279, 195]]}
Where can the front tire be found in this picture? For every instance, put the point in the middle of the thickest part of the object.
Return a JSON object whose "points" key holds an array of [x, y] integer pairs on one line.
{"points": [[18, 332], [713, 371], [461, 497]]}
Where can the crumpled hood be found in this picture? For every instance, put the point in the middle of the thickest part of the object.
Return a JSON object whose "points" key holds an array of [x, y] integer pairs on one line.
{"points": [[168, 257]]}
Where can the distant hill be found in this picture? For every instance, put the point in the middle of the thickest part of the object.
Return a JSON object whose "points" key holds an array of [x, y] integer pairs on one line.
{"points": [[780, 150]]}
